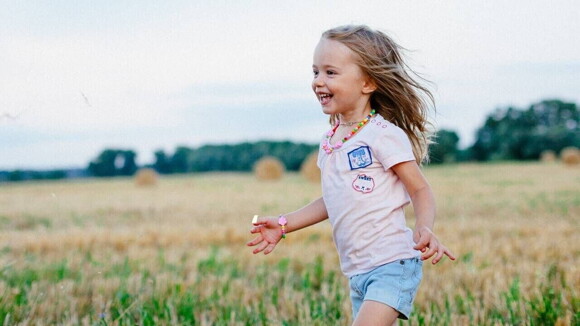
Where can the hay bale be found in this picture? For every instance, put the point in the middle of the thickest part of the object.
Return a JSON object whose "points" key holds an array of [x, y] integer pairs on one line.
{"points": [[548, 156], [146, 177], [570, 156], [309, 169], [269, 168]]}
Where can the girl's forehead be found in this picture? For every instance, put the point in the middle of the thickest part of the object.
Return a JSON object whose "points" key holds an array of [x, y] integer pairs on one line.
{"points": [[333, 52]]}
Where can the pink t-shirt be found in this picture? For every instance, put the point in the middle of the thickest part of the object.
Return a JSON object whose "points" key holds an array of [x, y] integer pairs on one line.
{"points": [[365, 198]]}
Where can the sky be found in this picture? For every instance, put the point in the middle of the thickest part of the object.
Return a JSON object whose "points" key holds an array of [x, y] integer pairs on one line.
{"points": [[77, 77]]}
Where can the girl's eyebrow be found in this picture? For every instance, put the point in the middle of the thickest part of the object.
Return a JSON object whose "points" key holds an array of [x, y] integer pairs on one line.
{"points": [[325, 66]]}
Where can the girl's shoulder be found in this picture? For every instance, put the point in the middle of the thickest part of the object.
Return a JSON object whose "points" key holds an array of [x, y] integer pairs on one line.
{"points": [[383, 128], [389, 143]]}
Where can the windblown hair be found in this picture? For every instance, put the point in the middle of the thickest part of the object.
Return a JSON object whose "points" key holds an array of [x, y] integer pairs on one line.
{"points": [[399, 98]]}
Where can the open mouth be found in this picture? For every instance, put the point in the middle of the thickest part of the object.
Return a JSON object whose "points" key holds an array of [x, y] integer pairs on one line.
{"points": [[324, 98]]}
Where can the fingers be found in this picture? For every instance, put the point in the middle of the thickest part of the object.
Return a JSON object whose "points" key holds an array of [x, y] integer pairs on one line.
{"points": [[260, 226], [442, 251], [264, 245], [449, 254], [430, 246], [257, 240], [269, 248], [422, 244], [439, 255], [432, 250], [261, 247], [256, 229]]}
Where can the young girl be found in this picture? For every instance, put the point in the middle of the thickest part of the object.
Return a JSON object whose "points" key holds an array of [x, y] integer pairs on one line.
{"points": [[370, 171]]}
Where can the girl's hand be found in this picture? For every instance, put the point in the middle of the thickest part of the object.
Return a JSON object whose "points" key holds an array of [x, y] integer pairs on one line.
{"points": [[428, 244], [269, 234]]}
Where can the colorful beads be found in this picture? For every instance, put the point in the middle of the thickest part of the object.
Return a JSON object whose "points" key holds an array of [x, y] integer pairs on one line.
{"points": [[282, 222], [328, 148]]}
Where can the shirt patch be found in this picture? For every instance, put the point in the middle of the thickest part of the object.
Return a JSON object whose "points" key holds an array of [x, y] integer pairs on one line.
{"points": [[360, 158], [363, 183]]}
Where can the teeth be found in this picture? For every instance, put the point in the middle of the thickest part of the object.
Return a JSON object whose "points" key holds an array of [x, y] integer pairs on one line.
{"points": [[324, 98]]}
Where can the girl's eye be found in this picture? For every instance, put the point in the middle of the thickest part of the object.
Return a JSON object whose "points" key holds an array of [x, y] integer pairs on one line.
{"points": [[315, 73], [330, 73]]}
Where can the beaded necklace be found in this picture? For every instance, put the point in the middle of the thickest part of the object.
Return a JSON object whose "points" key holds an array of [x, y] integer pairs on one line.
{"points": [[328, 148]]}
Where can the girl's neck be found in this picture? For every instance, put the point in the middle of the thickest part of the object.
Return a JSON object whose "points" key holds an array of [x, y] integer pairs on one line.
{"points": [[354, 115]]}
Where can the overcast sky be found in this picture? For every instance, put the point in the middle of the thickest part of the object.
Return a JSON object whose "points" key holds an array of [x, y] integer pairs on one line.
{"points": [[80, 76]]}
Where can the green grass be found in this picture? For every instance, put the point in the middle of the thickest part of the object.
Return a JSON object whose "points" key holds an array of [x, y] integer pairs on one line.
{"points": [[152, 302], [279, 293]]}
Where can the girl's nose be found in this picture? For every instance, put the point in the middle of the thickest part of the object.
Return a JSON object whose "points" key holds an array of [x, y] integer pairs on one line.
{"points": [[318, 81]]}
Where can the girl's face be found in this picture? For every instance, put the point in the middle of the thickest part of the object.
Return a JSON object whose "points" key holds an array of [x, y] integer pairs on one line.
{"points": [[339, 83]]}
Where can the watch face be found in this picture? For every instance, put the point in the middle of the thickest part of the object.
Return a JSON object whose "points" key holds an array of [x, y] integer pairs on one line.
{"points": [[282, 220]]}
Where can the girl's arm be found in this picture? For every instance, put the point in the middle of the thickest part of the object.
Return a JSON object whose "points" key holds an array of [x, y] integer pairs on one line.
{"points": [[270, 231], [424, 207], [308, 215]]}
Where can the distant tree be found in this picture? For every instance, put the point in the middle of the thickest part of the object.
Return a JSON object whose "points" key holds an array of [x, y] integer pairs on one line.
{"points": [[25, 175], [46, 175], [242, 157], [113, 162], [16, 175], [464, 155], [104, 164], [55, 174], [523, 134], [226, 157], [162, 162], [129, 166], [180, 161], [445, 147]]}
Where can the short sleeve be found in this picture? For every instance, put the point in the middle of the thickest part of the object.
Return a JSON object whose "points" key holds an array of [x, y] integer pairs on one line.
{"points": [[393, 147]]}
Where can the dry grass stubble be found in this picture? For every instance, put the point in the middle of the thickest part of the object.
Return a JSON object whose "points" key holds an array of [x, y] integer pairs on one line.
{"points": [[504, 222]]}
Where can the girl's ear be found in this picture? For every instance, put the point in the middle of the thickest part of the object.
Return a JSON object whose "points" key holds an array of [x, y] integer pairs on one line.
{"points": [[369, 85]]}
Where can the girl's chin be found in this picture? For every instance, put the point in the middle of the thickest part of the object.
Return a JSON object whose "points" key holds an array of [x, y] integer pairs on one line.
{"points": [[328, 110]]}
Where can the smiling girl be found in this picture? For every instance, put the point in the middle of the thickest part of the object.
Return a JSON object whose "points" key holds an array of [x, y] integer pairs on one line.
{"points": [[370, 163]]}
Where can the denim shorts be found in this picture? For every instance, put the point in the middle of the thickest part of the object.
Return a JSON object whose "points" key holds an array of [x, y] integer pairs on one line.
{"points": [[394, 284]]}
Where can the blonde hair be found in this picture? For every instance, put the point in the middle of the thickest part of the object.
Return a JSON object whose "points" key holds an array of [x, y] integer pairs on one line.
{"points": [[399, 98]]}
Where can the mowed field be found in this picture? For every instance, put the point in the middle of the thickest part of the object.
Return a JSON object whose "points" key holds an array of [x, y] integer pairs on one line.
{"points": [[105, 252]]}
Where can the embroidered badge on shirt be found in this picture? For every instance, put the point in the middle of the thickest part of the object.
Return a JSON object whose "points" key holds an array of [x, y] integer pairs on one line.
{"points": [[360, 158], [363, 183]]}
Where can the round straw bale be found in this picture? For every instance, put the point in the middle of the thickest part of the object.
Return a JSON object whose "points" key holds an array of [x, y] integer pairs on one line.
{"points": [[269, 168], [146, 177], [309, 169], [548, 156], [570, 156]]}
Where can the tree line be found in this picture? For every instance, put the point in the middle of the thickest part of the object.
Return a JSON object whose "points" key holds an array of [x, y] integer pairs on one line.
{"points": [[514, 134], [507, 134], [238, 157]]}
